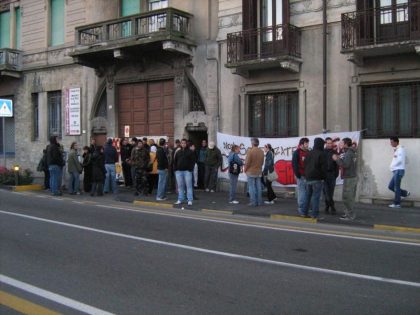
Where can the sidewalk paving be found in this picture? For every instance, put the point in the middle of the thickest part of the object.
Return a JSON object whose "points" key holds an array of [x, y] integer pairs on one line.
{"points": [[285, 208]]}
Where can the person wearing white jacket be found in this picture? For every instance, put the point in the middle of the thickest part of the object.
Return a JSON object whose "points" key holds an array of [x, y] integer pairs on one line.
{"points": [[398, 169]]}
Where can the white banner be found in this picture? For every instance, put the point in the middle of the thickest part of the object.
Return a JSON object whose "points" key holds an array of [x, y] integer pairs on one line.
{"points": [[73, 112], [283, 150]]}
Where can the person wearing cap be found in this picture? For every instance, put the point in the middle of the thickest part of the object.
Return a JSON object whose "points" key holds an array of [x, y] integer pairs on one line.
{"points": [[111, 157], [212, 163]]}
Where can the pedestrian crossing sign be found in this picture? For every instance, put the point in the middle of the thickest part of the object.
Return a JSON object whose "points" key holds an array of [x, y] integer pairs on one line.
{"points": [[6, 108]]}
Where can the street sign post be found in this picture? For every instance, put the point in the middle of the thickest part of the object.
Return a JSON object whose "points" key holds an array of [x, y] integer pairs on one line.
{"points": [[6, 110]]}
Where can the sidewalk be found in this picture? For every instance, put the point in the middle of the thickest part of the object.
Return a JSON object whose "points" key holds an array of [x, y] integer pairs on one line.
{"points": [[285, 208], [368, 215]]}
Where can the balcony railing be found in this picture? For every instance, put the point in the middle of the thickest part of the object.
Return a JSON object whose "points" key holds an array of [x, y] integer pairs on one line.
{"points": [[10, 59], [168, 21], [392, 24], [261, 43]]}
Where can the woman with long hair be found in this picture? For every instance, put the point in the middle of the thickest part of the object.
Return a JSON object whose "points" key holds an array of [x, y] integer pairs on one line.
{"points": [[235, 165], [268, 168]]}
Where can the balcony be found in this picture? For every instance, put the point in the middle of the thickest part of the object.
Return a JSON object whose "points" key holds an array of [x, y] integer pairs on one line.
{"points": [[381, 31], [166, 29], [10, 62], [267, 47]]}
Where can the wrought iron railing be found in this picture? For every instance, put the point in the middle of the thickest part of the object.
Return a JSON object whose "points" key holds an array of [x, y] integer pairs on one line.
{"points": [[265, 42], [389, 24], [165, 21], [10, 59]]}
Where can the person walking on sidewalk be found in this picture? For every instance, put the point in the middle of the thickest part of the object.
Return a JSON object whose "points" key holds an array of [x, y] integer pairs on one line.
{"points": [[253, 169], [298, 159], [74, 167], [162, 167], [268, 168], [315, 172], [331, 176], [235, 165], [111, 157], [348, 162], [55, 163], [398, 170], [212, 164], [184, 160]]}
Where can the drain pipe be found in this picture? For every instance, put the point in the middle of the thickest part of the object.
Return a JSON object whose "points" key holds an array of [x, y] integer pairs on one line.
{"points": [[324, 65]]}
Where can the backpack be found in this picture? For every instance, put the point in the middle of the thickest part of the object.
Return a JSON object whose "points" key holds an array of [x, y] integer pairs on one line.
{"points": [[234, 168]]}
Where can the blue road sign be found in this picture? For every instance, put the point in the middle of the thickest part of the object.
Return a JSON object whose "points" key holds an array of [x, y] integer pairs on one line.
{"points": [[6, 108]]}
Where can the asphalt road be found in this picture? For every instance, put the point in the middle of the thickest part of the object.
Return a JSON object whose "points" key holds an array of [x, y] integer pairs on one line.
{"points": [[82, 257]]}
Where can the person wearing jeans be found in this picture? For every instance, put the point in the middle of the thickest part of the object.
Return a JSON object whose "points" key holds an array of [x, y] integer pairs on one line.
{"points": [[253, 169], [213, 162], [398, 170], [55, 163], [235, 164], [162, 167], [298, 159], [111, 157], [184, 160], [74, 167]]}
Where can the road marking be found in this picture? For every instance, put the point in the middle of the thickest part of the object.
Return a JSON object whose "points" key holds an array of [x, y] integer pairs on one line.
{"points": [[151, 203], [23, 306], [272, 226], [217, 211], [292, 218], [224, 254], [395, 228], [52, 297]]}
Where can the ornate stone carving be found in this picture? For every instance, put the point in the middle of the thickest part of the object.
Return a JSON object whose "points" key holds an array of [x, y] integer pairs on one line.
{"points": [[230, 20], [310, 6]]}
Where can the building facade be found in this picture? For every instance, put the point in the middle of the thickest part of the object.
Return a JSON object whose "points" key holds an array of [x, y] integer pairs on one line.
{"points": [[188, 68]]}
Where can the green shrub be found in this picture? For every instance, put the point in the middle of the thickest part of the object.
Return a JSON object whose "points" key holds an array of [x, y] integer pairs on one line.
{"points": [[7, 177]]}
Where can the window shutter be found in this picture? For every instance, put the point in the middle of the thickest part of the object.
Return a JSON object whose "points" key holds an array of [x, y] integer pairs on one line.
{"points": [[249, 14]]}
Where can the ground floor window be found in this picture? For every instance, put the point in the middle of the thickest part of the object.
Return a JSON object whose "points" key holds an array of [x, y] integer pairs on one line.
{"points": [[274, 115], [54, 113], [7, 140], [391, 110]]}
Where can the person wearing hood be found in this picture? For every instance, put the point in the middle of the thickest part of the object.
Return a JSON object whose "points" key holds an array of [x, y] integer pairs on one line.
{"points": [[315, 172], [212, 164], [349, 166], [111, 157]]}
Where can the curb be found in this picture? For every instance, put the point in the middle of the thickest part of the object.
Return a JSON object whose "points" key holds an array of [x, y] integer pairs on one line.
{"points": [[293, 218], [151, 203], [27, 187], [395, 228]]}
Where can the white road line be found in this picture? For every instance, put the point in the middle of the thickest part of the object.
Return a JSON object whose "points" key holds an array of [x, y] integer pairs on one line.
{"points": [[183, 215], [52, 296], [224, 254]]}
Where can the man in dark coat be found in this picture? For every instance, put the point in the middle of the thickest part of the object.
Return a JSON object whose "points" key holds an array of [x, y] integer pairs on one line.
{"points": [[55, 164], [315, 172], [140, 159], [331, 176], [98, 171]]}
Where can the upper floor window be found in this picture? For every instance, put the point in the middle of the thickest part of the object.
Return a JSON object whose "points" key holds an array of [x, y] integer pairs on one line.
{"points": [[157, 4], [54, 113], [57, 22], [130, 7], [264, 13], [391, 110], [273, 115], [5, 29], [10, 20]]}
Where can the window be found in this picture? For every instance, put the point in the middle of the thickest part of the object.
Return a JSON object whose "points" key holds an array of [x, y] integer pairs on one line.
{"points": [[35, 123], [391, 110], [5, 29], [57, 22], [130, 7], [18, 28], [157, 4], [196, 103], [54, 113], [273, 115]]}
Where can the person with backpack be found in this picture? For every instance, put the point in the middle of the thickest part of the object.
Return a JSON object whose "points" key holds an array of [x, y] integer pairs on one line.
{"points": [[269, 168], [235, 165]]}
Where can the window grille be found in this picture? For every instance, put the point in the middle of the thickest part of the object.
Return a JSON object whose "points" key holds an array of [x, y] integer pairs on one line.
{"points": [[9, 136], [54, 113], [196, 103]]}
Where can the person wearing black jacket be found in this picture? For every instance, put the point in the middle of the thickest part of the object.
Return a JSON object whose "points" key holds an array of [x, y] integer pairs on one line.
{"points": [[55, 163], [162, 166], [184, 160], [331, 176], [315, 172], [125, 159], [111, 157], [98, 171]]}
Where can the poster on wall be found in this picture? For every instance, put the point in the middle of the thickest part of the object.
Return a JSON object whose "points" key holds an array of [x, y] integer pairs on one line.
{"points": [[283, 151], [73, 127]]}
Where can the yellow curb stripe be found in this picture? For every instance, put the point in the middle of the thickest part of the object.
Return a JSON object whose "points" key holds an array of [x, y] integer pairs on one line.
{"points": [[216, 211], [292, 218], [395, 228], [151, 203], [27, 187], [23, 306]]}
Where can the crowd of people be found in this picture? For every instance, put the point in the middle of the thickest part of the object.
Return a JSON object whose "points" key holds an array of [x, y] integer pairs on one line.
{"points": [[181, 168]]}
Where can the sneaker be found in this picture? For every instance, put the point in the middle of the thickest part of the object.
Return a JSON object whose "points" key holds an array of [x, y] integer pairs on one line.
{"points": [[207, 190], [190, 203], [275, 199], [178, 202], [235, 202], [269, 202], [408, 194], [211, 190], [161, 199], [346, 218], [394, 206]]}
